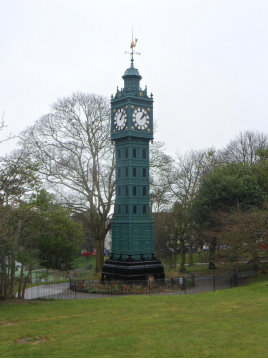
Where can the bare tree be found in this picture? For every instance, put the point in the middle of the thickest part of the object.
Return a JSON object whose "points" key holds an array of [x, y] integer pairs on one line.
{"points": [[77, 160], [186, 175], [243, 148], [184, 181]]}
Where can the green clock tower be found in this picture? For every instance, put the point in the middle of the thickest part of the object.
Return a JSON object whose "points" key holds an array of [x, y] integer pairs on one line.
{"points": [[133, 256]]}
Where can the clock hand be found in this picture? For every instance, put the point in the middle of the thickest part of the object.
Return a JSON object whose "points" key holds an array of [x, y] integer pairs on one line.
{"points": [[121, 116], [142, 116]]}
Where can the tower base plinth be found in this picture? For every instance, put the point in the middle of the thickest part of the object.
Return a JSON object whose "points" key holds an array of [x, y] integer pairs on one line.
{"points": [[132, 270]]}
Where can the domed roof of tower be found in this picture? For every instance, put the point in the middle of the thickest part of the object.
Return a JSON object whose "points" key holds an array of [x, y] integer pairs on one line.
{"points": [[132, 72]]}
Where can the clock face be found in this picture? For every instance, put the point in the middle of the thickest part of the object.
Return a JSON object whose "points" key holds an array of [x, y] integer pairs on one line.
{"points": [[120, 119], [140, 119]]}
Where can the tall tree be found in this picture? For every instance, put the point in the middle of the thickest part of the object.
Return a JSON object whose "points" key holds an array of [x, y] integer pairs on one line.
{"points": [[17, 178], [77, 159], [184, 181], [229, 187]]}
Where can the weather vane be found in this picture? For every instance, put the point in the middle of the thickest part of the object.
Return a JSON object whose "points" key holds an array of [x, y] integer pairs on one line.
{"points": [[132, 45]]}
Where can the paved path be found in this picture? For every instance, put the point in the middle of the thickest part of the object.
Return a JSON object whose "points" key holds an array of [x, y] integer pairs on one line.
{"points": [[57, 291]]}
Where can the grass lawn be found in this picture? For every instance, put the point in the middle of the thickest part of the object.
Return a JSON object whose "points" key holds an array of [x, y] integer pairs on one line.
{"points": [[197, 258], [83, 262], [225, 323]]}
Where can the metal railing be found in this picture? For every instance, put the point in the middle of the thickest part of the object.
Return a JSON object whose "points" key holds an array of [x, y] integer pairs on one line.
{"points": [[85, 289]]}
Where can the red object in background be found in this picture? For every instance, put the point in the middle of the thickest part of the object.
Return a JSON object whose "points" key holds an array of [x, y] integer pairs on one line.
{"points": [[94, 253], [87, 253], [262, 246]]}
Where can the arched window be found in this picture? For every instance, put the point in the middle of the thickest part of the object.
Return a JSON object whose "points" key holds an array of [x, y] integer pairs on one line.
{"points": [[144, 191], [134, 209], [126, 190], [134, 190], [119, 191], [119, 154], [119, 172], [126, 172], [144, 154], [144, 209], [119, 209], [126, 209], [144, 172], [134, 172], [134, 153], [126, 153]]}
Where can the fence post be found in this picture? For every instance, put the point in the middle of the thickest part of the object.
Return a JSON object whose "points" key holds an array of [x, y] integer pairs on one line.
{"points": [[235, 279], [193, 279], [214, 282]]}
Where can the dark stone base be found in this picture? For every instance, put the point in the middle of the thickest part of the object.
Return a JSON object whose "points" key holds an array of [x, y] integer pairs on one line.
{"points": [[132, 270]]}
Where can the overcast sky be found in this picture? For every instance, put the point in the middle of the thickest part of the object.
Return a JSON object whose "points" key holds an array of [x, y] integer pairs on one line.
{"points": [[205, 61]]}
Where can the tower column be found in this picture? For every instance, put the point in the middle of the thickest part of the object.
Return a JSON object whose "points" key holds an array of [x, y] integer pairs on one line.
{"points": [[133, 256]]}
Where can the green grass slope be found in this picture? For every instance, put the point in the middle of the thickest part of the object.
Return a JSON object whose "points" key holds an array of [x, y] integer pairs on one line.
{"points": [[226, 323]]}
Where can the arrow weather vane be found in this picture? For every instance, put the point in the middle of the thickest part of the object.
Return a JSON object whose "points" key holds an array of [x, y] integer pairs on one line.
{"points": [[132, 45]]}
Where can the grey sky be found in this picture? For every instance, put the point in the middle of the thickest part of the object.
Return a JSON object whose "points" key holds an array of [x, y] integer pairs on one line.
{"points": [[205, 61]]}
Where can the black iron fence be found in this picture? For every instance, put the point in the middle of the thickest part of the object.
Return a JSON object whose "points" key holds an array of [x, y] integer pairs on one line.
{"points": [[84, 289]]}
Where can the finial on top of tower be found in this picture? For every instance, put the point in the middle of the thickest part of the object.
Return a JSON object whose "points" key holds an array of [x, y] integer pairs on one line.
{"points": [[132, 53]]}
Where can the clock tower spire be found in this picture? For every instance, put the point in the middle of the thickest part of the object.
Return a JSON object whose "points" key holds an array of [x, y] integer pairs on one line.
{"points": [[133, 256]]}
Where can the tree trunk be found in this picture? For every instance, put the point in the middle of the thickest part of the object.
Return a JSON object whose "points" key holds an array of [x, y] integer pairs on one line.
{"points": [[12, 273], [182, 251], [257, 261], [30, 278], [26, 282], [99, 255], [174, 259], [3, 274], [20, 282], [8, 269], [191, 263], [212, 250]]}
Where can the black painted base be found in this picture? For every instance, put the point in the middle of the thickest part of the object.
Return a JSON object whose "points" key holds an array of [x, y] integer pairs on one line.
{"points": [[132, 270]]}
